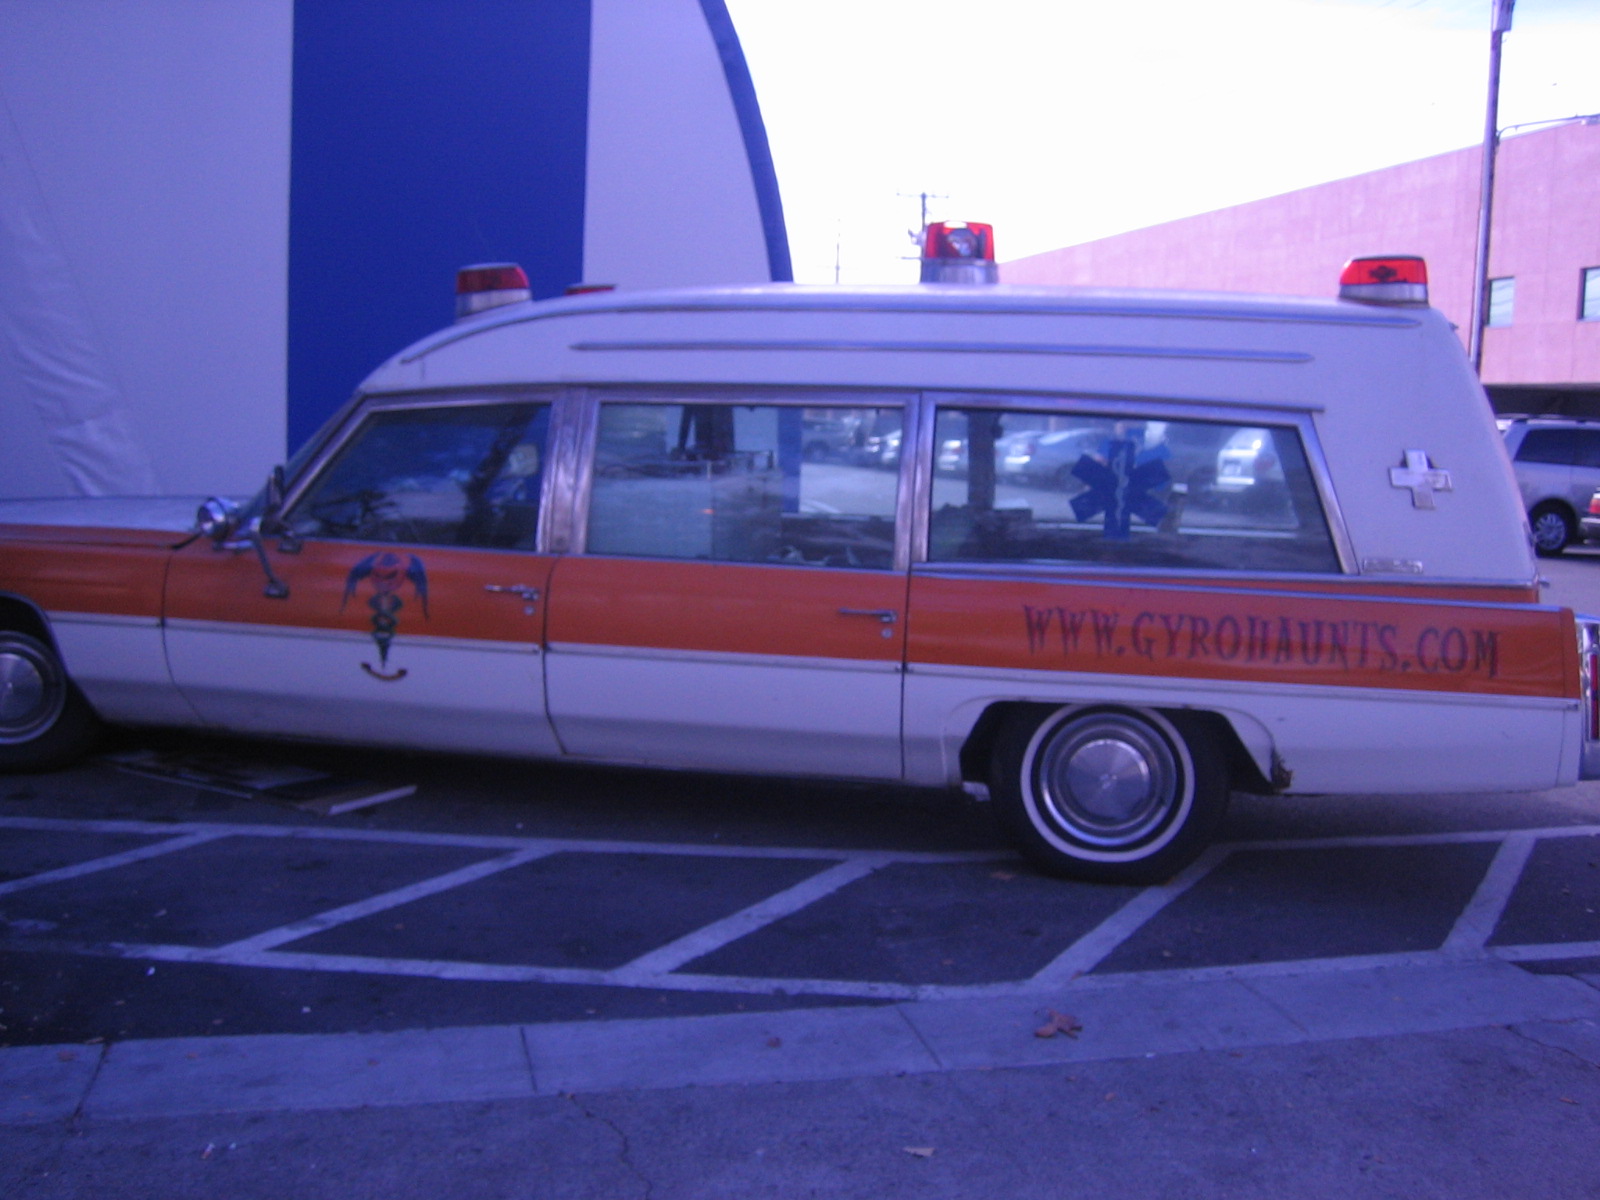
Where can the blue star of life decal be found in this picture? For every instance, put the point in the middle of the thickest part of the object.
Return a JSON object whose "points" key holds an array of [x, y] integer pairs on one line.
{"points": [[1120, 487]]}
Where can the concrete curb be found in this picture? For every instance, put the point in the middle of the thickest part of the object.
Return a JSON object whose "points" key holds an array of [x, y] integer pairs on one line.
{"points": [[1120, 1018]]}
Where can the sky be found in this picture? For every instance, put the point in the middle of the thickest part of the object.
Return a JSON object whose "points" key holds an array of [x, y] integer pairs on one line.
{"points": [[1062, 121]]}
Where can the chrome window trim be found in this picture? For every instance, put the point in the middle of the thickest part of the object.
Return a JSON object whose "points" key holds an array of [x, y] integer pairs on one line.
{"points": [[890, 666], [912, 470], [1144, 405], [585, 437], [917, 487], [556, 529], [1070, 404], [1332, 511], [1182, 579]]}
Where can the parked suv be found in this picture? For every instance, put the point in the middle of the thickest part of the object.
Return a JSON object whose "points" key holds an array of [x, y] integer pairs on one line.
{"points": [[1557, 462]]}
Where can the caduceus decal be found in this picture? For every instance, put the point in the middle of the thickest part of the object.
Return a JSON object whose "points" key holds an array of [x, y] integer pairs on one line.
{"points": [[388, 573]]}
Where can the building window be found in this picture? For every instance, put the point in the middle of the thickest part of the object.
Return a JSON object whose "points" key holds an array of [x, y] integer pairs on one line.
{"points": [[1589, 299], [1502, 294]]}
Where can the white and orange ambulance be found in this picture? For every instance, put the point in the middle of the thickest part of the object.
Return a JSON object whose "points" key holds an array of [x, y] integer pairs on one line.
{"points": [[1111, 554]]}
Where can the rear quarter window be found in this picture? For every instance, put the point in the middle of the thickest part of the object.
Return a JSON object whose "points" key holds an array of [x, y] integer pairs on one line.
{"points": [[1086, 488]]}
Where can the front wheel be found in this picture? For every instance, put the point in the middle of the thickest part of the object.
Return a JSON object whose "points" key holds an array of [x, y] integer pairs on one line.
{"points": [[1111, 795], [44, 720]]}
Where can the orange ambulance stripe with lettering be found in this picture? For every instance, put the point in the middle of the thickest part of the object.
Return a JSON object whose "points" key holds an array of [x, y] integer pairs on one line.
{"points": [[1243, 635]]}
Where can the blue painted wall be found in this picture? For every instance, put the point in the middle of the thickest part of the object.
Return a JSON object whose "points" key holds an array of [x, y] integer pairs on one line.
{"points": [[427, 134]]}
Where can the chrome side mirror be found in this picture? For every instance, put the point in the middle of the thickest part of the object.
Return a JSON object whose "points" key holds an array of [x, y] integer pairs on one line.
{"points": [[218, 519], [275, 489]]}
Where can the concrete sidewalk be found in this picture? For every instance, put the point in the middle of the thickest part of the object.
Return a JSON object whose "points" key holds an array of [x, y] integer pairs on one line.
{"points": [[1118, 1017], [1477, 1080]]}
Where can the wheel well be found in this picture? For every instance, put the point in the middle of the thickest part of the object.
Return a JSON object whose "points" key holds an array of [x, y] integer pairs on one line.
{"points": [[22, 617], [1243, 773], [1554, 505]]}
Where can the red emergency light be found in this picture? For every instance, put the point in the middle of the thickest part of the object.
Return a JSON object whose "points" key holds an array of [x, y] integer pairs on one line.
{"points": [[483, 286], [1385, 279], [958, 239], [958, 252]]}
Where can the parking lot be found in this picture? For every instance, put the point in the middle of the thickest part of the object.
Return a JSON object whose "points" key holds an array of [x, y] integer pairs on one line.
{"points": [[503, 893]]}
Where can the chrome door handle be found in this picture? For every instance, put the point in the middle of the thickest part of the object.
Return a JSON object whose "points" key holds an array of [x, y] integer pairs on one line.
{"points": [[887, 615], [520, 590]]}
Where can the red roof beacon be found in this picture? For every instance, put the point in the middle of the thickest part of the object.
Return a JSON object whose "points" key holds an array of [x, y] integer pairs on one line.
{"points": [[483, 286], [1385, 279], [958, 252]]}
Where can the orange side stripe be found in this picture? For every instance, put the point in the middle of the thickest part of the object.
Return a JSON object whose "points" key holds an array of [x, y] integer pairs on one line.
{"points": [[1243, 636]]}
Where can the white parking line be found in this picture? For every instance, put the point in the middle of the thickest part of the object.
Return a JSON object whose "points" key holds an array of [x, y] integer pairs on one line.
{"points": [[497, 842], [730, 929], [658, 969], [1091, 949], [1477, 921], [109, 862], [296, 930]]}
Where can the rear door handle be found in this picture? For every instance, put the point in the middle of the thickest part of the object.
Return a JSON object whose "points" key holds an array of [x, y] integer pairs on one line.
{"points": [[886, 615]]}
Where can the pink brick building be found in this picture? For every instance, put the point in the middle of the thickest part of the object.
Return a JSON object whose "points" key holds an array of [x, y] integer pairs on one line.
{"points": [[1546, 238]]}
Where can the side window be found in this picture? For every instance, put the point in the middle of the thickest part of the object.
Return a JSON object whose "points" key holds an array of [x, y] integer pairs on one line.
{"points": [[1588, 452], [1084, 488], [746, 483], [1556, 446], [457, 475]]}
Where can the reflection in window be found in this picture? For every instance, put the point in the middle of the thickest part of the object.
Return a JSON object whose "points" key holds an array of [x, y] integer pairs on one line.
{"points": [[1083, 488], [461, 475], [746, 483]]}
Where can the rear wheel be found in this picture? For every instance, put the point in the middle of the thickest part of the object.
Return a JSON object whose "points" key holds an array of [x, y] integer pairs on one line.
{"points": [[44, 720], [1109, 794], [1552, 529]]}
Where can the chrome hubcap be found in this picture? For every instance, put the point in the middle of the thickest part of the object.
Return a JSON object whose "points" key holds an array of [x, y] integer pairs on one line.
{"points": [[1107, 780], [31, 692]]}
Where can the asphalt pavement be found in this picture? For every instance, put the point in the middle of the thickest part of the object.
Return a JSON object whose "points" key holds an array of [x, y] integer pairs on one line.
{"points": [[1450, 1071]]}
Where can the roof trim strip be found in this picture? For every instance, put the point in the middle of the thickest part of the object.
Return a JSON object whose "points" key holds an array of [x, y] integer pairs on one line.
{"points": [[935, 302], [1276, 357]]}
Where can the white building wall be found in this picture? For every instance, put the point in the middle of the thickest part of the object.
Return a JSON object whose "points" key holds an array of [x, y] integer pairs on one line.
{"points": [[144, 170], [670, 198]]}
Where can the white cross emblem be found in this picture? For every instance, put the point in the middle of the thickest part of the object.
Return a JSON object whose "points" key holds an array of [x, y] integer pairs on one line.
{"points": [[1422, 477]]}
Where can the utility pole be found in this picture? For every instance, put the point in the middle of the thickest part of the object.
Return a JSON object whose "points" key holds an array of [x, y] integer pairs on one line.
{"points": [[923, 197], [1499, 25]]}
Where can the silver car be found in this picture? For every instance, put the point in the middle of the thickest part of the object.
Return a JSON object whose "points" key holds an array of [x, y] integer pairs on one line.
{"points": [[1557, 463]]}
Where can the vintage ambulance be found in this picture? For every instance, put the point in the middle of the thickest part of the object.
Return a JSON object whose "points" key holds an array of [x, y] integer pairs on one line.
{"points": [[1110, 554]]}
